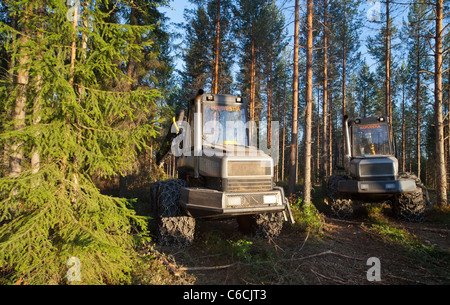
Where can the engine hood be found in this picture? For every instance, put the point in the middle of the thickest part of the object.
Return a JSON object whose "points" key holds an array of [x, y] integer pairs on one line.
{"points": [[374, 167]]}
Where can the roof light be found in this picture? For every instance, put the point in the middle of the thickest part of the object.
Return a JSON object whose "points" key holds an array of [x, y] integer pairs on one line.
{"points": [[239, 99], [381, 119], [210, 97], [357, 121]]}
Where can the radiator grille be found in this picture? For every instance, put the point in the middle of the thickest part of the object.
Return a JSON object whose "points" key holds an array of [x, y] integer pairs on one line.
{"points": [[249, 168], [244, 185], [377, 169]]}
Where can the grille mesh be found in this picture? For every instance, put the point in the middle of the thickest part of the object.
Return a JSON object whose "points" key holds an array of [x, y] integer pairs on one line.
{"points": [[249, 168], [377, 169], [243, 185]]}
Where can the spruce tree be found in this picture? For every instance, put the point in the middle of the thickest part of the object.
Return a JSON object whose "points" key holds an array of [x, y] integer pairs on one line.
{"points": [[54, 216]]}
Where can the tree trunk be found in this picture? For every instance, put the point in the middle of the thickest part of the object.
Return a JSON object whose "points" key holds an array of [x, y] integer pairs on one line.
{"points": [[215, 87], [418, 107], [74, 45], [294, 133], [252, 79], [325, 89], [308, 112], [388, 68], [284, 137], [35, 156], [269, 105], [403, 131], [440, 160], [344, 93], [16, 156], [330, 136]]}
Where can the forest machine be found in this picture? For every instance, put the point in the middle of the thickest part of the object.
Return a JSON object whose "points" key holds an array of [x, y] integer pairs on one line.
{"points": [[372, 173], [220, 174]]}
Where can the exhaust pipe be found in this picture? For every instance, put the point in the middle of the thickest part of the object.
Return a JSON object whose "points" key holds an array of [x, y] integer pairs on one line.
{"points": [[347, 140], [197, 132]]}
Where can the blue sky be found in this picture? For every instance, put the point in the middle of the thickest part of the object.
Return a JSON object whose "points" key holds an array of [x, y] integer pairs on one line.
{"points": [[367, 8]]}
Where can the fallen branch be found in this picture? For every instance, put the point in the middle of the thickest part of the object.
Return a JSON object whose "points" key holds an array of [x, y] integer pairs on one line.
{"points": [[327, 278], [211, 268], [329, 252], [344, 221], [444, 231], [175, 270]]}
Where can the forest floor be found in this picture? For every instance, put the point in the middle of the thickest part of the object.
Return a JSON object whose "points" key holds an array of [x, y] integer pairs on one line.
{"points": [[409, 253]]}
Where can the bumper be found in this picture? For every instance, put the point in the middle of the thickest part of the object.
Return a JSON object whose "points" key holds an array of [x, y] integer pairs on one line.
{"points": [[202, 202], [377, 187]]}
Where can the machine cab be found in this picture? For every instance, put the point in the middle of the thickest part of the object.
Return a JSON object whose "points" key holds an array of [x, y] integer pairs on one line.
{"points": [[370, 153], [370, 138]]}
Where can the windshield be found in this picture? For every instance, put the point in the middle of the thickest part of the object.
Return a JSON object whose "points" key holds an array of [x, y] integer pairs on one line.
{"points": [[371, 140], [225, 125]]}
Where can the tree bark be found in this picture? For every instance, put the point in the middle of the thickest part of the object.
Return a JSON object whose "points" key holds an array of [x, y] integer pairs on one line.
{"points": [[294, 132], [418, 107], [330, 136], [16, 156], [403, 131], [252, 78], [269, 104], [215, 87], [74, 46], [388, 68], [440, 160], [325, 89], [308, 112]]}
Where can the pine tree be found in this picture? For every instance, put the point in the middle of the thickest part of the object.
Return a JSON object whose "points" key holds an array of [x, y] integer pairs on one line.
{"points": [[365, 91], [418, 62], [257, 23], [345, 40], [208, 52], [381, 48], [295, 99], [438, 104], [309, 101]]}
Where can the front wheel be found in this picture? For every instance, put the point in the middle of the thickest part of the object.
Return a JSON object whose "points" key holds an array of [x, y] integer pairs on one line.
{"points": [[340, 207], [410, 206], [174, 227]]}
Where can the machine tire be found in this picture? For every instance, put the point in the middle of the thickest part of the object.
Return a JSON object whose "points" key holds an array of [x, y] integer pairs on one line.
{"points": [[268, 225], [410, 206], [264, 225], [173, 226], [340, 207]]}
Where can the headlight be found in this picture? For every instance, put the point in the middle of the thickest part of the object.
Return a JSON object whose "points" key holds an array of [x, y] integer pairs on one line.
{"points": [[236, 200], [390, 186], [270, 199]]}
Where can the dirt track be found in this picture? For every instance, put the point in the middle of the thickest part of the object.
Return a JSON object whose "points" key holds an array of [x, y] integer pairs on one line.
{"points": [[221, 255]]}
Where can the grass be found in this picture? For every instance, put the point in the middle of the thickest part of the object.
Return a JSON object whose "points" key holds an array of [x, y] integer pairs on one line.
{"points": [[399, 236], [307, 217]]}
